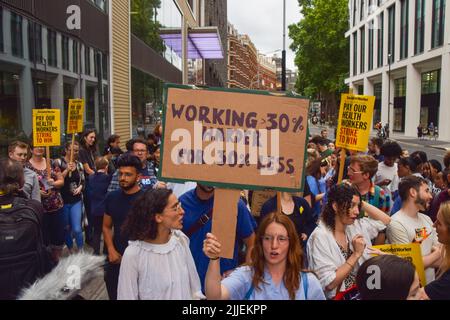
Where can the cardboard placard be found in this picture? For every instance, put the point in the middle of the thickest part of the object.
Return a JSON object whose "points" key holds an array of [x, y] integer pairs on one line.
{"points": [[234, 138], [412, 252], [46, 127], [225, 219], [355, 122], [258, 200], [75, 116]]}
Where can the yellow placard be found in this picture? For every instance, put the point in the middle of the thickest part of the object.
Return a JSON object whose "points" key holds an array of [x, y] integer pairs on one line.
{"points": [[75, 116], [355, 122], [46, 127], [410, 251]]}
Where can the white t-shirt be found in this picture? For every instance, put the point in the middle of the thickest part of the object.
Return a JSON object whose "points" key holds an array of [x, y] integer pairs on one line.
{"points": [[159, 271], [404, 229], [384, 172]]}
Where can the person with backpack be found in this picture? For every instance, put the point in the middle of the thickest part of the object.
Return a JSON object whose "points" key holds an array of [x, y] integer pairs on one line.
{"points": [[274, 273], [23, 256], [74, 183]]}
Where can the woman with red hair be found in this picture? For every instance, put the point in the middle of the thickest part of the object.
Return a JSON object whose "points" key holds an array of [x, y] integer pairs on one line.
{"points": [[275, 272]]}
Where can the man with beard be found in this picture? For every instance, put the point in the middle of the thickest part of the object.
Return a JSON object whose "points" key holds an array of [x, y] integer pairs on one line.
{"points": [[18, 150], [197, 205], [139, 148], [117, 206], [410, 226]]}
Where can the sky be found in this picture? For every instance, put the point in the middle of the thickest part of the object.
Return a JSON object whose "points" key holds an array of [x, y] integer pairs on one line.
{"points": [[262, 20]]}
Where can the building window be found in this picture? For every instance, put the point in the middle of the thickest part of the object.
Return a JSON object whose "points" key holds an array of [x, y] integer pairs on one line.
{"points": [[400, 87], [10, 111], [354, 12], [87, 61], [431, 82], [104, 66], [96, 64], [361, 11], [65, 53], [360, 89], [35, 42], [380, 41], [437, 35], [16, 35], [404, 5], [363, 50], [75, 56], [51, 48], [1, 30], [355, 53], [391, 31], [371, 32], [419, 26]]}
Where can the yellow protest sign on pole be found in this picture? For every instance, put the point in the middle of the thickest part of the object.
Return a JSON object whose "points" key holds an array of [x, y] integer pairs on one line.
{"points": [[46, 127], [75, 116], [355, 121], [411, 252]]}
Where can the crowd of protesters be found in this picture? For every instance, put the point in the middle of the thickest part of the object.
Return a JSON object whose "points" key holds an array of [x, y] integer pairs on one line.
{"points": [[157, 239]]}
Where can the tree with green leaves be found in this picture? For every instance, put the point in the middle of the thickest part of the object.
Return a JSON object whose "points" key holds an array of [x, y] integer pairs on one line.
{"points": [[322, 51], [144, 25]]}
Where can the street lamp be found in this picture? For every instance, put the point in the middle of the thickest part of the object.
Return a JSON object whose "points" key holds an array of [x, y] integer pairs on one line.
{"points": [[389, 97]]}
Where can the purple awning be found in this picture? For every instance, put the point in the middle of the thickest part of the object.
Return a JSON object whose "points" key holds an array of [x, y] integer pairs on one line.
{"points": [[203, 43]]}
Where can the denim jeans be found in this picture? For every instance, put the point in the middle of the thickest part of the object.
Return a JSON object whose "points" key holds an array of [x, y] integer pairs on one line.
{"points": [[72, 222]]}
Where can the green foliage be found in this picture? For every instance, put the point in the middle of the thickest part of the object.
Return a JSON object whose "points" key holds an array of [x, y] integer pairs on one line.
{"points": [[144, 25], [322, 51]]}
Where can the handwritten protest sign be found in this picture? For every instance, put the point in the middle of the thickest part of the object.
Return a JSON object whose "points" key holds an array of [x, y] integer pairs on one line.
{"points": [[411, 252], [355, 121], [75, 116], [234, 139], [46, 127]]}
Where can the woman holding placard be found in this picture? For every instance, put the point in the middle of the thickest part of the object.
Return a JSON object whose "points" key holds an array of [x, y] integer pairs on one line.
{"points": [[51, 199], [275, 272]]}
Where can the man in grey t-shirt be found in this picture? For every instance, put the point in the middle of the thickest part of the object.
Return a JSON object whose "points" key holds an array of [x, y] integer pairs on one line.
{"points": [[18, 150]]}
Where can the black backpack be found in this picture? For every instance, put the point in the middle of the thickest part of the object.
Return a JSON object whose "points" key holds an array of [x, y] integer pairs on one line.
{"points": [[23, 256]]}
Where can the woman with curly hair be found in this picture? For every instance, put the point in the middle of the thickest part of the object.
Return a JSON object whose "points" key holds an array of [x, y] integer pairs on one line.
{"points": [[337, 247], [275, 272], [157, 264]]}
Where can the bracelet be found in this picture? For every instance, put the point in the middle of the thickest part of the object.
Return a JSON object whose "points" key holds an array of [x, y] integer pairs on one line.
{"points": [[349, 264], [214, 258]]}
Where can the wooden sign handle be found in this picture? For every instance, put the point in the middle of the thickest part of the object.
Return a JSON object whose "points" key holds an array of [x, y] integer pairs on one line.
{"points": [[341, 165], [71, 153], [47, 159], [224, 219], [278, 202]]}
